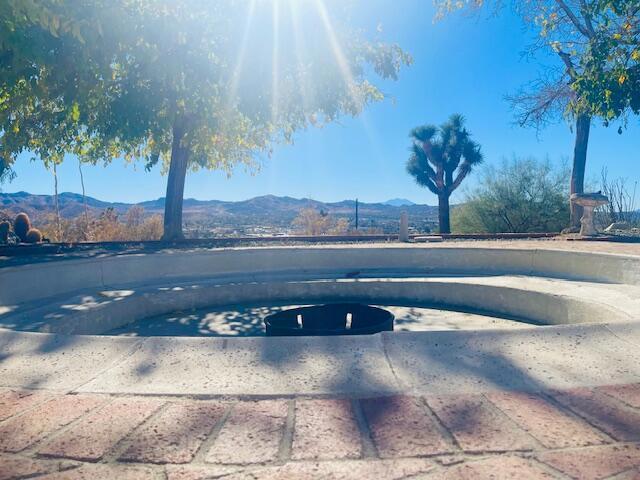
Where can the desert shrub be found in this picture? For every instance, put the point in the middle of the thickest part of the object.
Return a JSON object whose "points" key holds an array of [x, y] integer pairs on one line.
{"points": [[108, 226], [134, 217], [521, 195], [622, 206], [340, 227], [151, 228], [312, 222], [72, 230]]}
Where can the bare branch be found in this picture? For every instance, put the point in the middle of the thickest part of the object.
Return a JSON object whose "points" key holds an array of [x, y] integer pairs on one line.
{"points": [[576, 22], [541, 102]]}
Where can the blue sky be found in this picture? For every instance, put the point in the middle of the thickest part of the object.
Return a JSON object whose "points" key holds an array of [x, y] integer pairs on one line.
{"points": [[461, 64]]}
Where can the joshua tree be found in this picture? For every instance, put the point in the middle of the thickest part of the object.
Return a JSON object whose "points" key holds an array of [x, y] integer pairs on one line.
{"points": [[441, 158]]}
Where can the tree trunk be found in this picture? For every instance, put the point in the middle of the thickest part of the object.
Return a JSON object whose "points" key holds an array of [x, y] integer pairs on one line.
{"points": [[175, 186], [443, 213], [57, 204], [85, 232], [583, 126]]}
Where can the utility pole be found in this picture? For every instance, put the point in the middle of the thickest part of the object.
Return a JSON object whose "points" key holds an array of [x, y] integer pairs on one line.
{"points": [[356, 214]]}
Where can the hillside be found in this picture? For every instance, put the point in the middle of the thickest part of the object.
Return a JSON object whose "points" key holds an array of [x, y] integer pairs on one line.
{"points": [[268, 211]]}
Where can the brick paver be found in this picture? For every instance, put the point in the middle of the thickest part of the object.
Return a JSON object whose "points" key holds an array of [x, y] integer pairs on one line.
{"points": [[629, 394], [175, 434], [252, 433], [333, 470], [629, 475], [100, 471], [325, 429], [594, 463], [21, 432], [400, 427], [546, 422], [619, 421], [496, 435], [13, 402], [98, 432], [494, 468], [477, 426], [13, 466]]}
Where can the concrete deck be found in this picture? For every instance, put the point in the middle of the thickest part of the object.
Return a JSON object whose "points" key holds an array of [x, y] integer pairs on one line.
{"points": [[560, 401], [412, 362]]}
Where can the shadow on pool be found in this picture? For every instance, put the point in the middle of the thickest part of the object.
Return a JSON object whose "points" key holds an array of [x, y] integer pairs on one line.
{"points": [[247, 321], [232, 321]]}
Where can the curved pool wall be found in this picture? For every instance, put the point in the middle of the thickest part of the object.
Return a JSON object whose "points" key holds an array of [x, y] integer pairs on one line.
{"points": [[96, 295]]}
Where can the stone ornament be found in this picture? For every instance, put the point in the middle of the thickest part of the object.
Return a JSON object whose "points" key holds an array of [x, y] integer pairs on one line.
{"points": [[589, 202]]}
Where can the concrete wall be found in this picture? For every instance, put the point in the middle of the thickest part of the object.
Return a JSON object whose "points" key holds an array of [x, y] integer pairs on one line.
{"points": [[510, 302], [64, 296], [45, 280]]}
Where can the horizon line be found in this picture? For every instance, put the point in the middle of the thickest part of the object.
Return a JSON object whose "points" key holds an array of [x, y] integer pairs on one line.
{"points": [[384, 202]]}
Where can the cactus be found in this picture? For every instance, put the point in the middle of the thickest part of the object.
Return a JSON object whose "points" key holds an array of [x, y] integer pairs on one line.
{"points": [[33, 236], [22, 225], [5, 228]]}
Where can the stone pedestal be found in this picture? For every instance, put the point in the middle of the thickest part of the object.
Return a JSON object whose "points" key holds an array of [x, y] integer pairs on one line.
{"points": [[404, 227], [589, 202]]}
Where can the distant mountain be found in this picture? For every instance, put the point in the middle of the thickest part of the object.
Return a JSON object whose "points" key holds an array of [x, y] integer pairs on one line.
{"points": [[70, 204], [399, 202], [263, 211]]}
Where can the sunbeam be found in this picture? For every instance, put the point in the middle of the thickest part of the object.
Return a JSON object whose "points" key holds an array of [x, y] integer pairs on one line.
{"points": [[275, 62], [345, 70], [237, 70], [343, 64], [299, 46]]}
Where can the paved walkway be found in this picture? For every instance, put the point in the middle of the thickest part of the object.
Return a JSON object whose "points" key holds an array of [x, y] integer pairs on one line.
{"points": [[585, 433]]}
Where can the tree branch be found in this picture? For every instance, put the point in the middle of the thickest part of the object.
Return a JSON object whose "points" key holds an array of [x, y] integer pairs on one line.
{"points": [[430, 185], [581, 28], [584, 9], [566, 58], [462, 174]]}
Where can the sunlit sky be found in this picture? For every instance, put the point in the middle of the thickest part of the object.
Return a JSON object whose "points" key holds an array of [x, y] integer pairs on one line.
{"points": [[461, 64]]}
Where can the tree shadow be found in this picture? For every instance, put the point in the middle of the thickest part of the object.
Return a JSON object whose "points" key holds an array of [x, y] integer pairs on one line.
{"points": [[229, 320]]}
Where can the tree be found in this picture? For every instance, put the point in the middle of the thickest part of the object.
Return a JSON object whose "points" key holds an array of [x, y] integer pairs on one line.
{"points": [[583, 34], [221, 103], [608, 84], [185, 83], [441, 158], [53, 61], [311, 222], [521, 196]]}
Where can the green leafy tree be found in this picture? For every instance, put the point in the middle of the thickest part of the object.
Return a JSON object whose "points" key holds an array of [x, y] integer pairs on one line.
{"points": [[55, 62], [441, 158], [520, 196], [192, 84], [608, 84]]}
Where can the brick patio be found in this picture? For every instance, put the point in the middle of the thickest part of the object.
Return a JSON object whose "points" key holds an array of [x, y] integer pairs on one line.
{"points": [[586, 433]]}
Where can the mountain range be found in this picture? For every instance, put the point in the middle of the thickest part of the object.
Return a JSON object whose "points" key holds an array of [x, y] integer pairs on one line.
{"points": [[267, 210]]}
